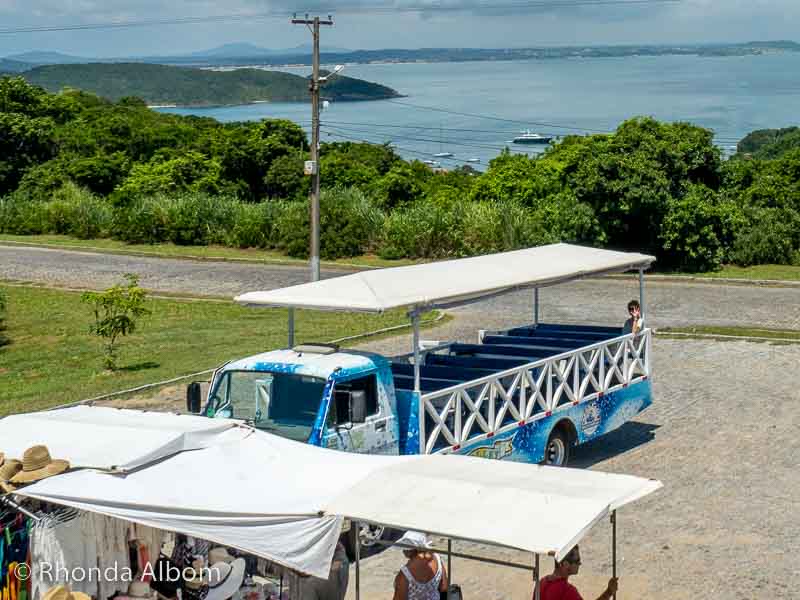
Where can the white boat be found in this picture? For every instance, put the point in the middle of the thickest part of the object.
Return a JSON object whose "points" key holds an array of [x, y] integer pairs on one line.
{"points": [[526, 137], [473, 160], [443, 154], [431, 163]]}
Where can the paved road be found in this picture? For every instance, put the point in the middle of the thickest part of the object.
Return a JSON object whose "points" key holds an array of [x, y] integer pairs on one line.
{"points": [[598, 301], [721, 435]]}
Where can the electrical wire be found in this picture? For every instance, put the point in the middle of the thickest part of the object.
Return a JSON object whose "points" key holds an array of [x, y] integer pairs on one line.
{"points": [[342, 9]]}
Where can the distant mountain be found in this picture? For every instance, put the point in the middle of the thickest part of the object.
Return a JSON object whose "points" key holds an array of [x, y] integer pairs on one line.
{"points": [[161, 84], [246, 50], [13, 66], [40, 57]]}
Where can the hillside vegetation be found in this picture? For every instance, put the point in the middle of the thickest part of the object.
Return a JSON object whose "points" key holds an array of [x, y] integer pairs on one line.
{"points": [[769, 143], [73, 163], [161, 84]]}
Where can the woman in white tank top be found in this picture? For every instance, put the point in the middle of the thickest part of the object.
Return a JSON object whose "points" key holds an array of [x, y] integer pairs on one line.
{"points": [[423, 577]]}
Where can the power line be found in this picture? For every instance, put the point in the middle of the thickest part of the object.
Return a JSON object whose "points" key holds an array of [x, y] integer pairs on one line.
{"points": [[482, 7]]}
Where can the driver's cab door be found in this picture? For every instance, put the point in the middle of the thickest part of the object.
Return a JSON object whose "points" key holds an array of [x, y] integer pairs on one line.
{"points": [[359, 419]]}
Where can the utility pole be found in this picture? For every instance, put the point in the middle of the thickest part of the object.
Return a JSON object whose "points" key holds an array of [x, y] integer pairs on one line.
{"points": [[313, 168]]}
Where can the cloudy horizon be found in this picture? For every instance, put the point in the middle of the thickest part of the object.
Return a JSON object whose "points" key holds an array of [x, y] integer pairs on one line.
{"points": [[380, 24]]}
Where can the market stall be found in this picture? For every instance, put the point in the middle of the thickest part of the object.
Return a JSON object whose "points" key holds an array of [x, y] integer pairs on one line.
{"points": [[285, 501]]}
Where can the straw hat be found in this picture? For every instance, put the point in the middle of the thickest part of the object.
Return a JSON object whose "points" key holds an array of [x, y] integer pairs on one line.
{"points": [[225, 579], [8, 469], [37, 464], [138, 590], [62, 592], [219, 554]]}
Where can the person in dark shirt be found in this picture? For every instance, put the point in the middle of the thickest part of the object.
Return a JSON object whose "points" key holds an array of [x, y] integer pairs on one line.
{"points": [[556, 586], [634, 323]]}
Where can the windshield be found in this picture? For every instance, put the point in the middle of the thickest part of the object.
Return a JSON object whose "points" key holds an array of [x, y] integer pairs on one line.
{"points": [[281, 403]]}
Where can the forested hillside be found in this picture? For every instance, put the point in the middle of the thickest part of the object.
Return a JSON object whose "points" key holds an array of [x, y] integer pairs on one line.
{"points": [[161, 84], [73, 163], [770, 143]]}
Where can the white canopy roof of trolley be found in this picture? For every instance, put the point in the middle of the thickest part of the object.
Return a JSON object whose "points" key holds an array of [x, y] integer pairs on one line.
{"points": [[285, 501], [437, 284]]}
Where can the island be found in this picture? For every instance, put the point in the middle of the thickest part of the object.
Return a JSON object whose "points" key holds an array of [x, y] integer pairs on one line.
{"points": [[183, 86]]}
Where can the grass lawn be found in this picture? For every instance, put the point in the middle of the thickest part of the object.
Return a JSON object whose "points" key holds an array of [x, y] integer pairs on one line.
{"points": [[751, 332], [774, 272], [52, 359], [202, 252]]}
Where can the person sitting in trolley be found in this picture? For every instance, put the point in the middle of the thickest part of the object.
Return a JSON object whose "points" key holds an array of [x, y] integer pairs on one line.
{"points": [[634, 323]]}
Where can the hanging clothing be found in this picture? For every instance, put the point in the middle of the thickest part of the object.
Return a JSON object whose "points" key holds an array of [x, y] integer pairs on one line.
{"points": [[113, 558], [61, 549]]}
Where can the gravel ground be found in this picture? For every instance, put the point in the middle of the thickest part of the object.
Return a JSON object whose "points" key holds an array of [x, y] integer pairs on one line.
{"points": [[721, 434]]}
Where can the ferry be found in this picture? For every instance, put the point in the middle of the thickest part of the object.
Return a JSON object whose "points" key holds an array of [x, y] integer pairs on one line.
{"points": [[526, 137]]}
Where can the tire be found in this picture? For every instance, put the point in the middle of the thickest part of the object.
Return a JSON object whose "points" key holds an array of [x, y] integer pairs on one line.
{"points": [[370, 536], [557, 451]]}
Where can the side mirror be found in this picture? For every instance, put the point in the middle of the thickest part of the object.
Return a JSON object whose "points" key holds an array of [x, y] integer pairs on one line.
{"points": [[358, 406], [193, 397]]}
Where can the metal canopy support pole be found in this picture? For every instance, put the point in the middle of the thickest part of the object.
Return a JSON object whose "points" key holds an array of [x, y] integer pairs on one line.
{"points": [[291, 328], [358, 559], [536, 306], [449, 560], [537, 592], [415, 341], [641, 295], [614, 545]]}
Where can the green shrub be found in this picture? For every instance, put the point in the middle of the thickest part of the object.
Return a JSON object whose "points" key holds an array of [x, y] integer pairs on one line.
{"points": [[349, 225], [21, 216], [197, 219], [698, 229], [143, 221], [771, 237], [255, 225], [426, 229], [76, 211]]}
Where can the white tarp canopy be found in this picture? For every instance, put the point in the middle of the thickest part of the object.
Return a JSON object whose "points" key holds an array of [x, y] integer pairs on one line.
{"points": [[284, 500], [108, 438], [443, 283]]}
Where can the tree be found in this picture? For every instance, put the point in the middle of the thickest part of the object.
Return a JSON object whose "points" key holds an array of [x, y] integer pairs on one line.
{"points": [[116, 312], [24, 142]]}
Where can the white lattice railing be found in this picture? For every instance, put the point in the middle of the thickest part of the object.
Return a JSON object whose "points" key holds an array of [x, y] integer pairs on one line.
{"points": [[484, 407]]}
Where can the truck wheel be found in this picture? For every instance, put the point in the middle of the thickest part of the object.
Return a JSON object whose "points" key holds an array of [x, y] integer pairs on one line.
{"points": [[370, 536], [556, 453]]}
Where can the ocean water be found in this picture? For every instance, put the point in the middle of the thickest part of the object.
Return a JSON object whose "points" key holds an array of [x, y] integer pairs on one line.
{"points": [[473, 110]]}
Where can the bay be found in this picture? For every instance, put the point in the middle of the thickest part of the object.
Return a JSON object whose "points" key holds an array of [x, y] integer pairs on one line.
{"points": [[473, 110]]}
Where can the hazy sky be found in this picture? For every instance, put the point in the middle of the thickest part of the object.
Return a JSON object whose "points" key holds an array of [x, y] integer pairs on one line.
{"points": [[374, 24]]}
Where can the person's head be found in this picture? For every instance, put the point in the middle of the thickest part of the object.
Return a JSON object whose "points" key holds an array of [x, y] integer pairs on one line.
{"points": [[570, 564], [416, 544], [633, 306]]}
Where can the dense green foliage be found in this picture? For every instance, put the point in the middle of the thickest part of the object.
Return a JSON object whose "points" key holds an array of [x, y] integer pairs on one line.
{"points": [[92, 168], [162, 84]]}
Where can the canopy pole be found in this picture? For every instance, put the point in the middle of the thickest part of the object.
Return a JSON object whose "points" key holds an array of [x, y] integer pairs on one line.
{"points": [[415, 341], [614, 545], [291, 328], [537, 592], [536, 307], [641, 295], [358, 559], [449, 560]]}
